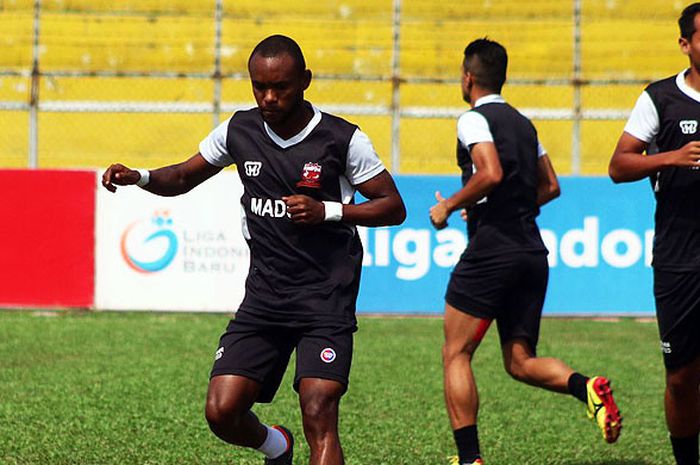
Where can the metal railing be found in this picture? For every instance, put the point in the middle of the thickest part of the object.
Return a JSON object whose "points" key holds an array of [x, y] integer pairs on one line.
{"points": [[394, 110]]}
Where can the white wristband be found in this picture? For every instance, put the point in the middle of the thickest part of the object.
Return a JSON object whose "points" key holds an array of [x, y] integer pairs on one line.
{"points": [[145, 177], [334, 211]]}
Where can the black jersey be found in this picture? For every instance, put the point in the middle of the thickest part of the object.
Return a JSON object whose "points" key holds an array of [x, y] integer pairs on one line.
{"points": [[675, 114], [503, 221], [297, 272]]}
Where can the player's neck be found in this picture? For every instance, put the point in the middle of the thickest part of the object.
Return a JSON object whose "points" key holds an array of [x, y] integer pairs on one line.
{"points": [[693, 77], [477, 93], [295, 122]]}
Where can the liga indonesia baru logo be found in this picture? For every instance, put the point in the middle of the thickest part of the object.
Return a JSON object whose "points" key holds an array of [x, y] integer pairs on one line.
{"points": [[149, 245]]}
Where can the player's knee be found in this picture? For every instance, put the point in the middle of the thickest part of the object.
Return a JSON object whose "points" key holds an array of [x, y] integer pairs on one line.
{"points": [[446, 354], [221, 414], [681, 383], [516, 371], [214, 414], [318, 410], [517, 368], [453, 352]]}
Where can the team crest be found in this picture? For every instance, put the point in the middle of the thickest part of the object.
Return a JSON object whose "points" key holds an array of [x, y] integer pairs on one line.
{"points": [[252, 168], [328, 355], [310, 176]]}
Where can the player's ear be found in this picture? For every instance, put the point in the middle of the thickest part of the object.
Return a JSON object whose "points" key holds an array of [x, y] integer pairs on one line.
{"points": [[466, 75], [468, 79], [306, 79], [684, 45]]}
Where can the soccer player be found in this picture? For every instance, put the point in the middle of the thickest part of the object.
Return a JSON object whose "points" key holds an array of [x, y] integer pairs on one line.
{"points": [[300, 168], [503, 273], [667, 113]]}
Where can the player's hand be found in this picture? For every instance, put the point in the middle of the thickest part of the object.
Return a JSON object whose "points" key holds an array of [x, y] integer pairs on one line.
{"points": [[687, 156], [302, 209], [439, 212], [119, 175]]}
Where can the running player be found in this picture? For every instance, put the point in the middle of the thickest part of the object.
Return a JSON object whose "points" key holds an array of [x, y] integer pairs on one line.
{"points": [[503, 273], [667, 113], [300, 168]]}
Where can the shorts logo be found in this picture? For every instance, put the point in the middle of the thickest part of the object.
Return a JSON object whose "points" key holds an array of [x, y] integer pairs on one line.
{"points": [[219, 353], [689, 126], [666, 347], [328, 355], [310, 176], [252, 168]]}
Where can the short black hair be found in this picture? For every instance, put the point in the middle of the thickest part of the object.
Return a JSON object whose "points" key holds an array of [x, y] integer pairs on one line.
{"points": [[487, 60], [276, 45], [686, 23]]}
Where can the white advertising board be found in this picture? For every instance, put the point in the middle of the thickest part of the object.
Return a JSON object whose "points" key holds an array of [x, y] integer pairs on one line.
{"points": [[183, 253]]}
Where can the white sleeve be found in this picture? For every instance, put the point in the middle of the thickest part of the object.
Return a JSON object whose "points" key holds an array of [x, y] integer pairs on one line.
{"points": [[473, 128], [363, 163], [213, 147], [541, 152], [644, 120]]}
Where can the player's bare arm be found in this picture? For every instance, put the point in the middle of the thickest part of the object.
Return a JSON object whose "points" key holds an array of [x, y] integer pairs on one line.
{"points": [[547, 183], [488, 175], [629, 163], [384, 206], [167, 181]]}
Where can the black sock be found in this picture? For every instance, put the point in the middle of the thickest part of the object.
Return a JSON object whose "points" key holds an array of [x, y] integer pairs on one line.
{"points": [[685, 450], [467, 440], [577, 387]]}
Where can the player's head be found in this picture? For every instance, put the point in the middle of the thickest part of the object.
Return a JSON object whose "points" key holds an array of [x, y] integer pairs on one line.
{"points": [[689, 40], [686, 23], [484, 66], [279, 77]]}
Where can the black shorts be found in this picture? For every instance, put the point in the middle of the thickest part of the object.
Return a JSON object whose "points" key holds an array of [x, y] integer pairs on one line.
{"points": [[678, 313], [261, 352], [508, 288]]}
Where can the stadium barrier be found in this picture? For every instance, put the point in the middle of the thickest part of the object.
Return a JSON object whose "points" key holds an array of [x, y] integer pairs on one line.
{"points": [[70, 243], [48, 238], [599, 236], [171, 253]]}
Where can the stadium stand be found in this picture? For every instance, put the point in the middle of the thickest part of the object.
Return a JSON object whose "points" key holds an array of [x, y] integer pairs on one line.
{"points": [[134, 52]]}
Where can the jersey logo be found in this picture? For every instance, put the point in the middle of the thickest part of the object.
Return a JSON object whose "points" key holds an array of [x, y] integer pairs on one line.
{"points": [[689, 126], [666, 347], [252, 168], [310, 176]]}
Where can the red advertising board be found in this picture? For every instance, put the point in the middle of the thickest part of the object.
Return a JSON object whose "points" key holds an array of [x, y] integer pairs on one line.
{"points": [[47, 238]]}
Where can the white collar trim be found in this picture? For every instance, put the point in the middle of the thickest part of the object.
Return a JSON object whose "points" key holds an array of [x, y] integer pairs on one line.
{"points": [[284, 143], [685, 88], [491, 98]]}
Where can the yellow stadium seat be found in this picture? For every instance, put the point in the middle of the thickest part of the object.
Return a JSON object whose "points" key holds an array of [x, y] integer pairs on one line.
{"points": [[110, 51]]}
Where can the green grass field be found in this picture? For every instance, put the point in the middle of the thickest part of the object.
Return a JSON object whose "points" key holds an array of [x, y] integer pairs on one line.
{"points": [[129, 388]]}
